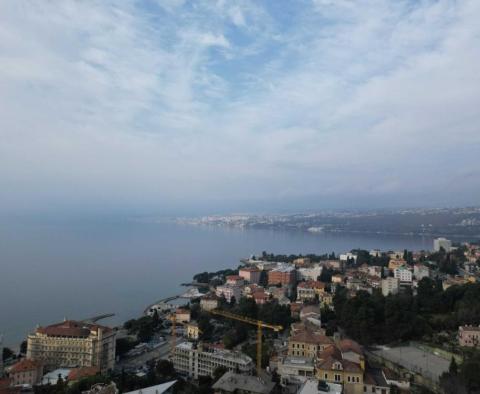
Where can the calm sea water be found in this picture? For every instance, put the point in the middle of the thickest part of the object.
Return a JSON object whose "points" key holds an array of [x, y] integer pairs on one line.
{"points": [[81, 268]]}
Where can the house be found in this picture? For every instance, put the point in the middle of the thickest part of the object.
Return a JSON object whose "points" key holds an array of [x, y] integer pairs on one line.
{"points": [[333, 367], [235, 280], [82, 372], [26, 372], [260, 297], [232, 382], [182, 315], [469, 336], [209, 302], [396, 263], [307, 291], [307, 344]]}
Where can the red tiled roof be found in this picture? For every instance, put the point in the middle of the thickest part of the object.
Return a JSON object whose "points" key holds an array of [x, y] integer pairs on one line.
{"points": [[234, 277], [307, 336], [83, 372], [346, 345], [71, 328], [311, 284], [25, 365]]}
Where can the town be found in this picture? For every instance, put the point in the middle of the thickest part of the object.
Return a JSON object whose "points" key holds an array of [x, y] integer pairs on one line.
{"points": [[365, 321]]}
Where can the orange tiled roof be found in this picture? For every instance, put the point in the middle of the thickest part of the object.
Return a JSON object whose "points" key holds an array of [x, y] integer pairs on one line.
{"points": [[306, 336], [25, 365], [71, 328], [83, 372]]}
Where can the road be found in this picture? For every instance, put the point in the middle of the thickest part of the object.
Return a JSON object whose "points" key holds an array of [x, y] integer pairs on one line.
{"points": [[161, 352]]}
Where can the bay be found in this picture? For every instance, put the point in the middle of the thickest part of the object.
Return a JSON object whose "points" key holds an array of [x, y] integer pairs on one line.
{"points": [[78, 268]]}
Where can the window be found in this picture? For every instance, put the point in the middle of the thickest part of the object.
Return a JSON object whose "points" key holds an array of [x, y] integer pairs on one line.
{"points": [[338, 378]]}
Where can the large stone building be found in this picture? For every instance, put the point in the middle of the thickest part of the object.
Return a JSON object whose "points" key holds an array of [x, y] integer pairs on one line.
{"points": [[72, 344], [196, 361]]}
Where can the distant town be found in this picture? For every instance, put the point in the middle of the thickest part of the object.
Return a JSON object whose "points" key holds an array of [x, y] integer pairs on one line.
{"points": [[364, 321], [450, 222]]}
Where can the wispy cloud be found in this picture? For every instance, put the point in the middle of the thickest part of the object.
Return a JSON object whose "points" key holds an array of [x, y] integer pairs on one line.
{"points": [[161, 101]]}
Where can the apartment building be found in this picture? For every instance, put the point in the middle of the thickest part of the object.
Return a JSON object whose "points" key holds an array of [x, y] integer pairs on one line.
{"points": [[71, 344], [196, 361], [390, 286], [282, 274], [442, 243], [250, 274], [235, 280], [403, 274], [230, 292]]}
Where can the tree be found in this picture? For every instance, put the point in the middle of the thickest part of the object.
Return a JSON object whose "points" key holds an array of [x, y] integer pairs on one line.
{"points": [[165, 368], [23, 347], [7, 353], [453, 368], [219, 372]]}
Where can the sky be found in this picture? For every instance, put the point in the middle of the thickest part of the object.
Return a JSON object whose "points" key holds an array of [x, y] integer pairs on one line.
{"points": [[202, 106]]}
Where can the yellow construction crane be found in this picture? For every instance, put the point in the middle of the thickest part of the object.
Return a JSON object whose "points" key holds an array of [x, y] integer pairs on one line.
{"points": [[258, 323]]}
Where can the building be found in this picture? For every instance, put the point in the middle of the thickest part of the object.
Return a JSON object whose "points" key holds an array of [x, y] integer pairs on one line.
{"points": [[313, 386], [164, 388], [26, 372], [376, 253], [393, 264], [421, 271], [182, 315], [442, 243], [343, 364], [282, 274], [307, 291], [81, 373], [469, 336], [235, 383], [196, 361], [403, 274], [209, 302], [193, 332], [307, 344], [229, 292], [310, 273], [390, 286], [302, 261], [250, 274], [294, 370], [235, 280], [71, 344], [348, 257]]}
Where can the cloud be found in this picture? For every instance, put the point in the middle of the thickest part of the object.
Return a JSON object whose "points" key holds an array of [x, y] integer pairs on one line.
{"points": [[157, 102]]}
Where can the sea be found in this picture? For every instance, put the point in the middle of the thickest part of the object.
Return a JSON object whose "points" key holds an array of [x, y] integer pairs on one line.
{"points": [[76, 268]]}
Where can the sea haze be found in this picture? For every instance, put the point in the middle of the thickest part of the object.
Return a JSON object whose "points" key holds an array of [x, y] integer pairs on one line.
{"points": [[78, 268]]}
